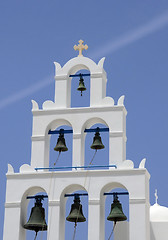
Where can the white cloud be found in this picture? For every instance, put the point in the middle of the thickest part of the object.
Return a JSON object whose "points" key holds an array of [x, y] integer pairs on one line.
{"points": [[25, 92], [132, 36], [112, 46]]}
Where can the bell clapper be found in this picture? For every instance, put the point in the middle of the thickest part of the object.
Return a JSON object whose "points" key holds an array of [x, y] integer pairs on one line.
{"points": [[112, 231], [93, 157], [35, 236], [73, 238], [57, 158]]}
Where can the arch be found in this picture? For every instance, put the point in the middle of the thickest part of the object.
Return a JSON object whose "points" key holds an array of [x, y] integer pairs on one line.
{"points": [[110, 186], [91, 121], [56, 123], [75, 64], [30, 191], [71, 188]]}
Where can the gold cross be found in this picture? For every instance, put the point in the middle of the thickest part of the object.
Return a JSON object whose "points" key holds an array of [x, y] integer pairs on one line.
{"points": [[80, 47]]}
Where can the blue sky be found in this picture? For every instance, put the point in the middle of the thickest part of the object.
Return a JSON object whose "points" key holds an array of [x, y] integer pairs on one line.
{"points": [[133, 37]]}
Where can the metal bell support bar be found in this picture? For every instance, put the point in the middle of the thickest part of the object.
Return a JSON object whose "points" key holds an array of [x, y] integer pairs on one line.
{"points": [[86, 194], [71, 131], [97, 130], [117, 193], [75, 194], [37, 197], [80, 74], [60, 131]]}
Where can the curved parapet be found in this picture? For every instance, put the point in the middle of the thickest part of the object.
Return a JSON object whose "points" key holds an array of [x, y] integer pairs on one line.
{"points": [[10, 169], [25, 168], [49, 105], [106, 102], [34, 105], [121, 101], [57, 67], [76, 64], [127, 164], [101, 62], [142, 163]]}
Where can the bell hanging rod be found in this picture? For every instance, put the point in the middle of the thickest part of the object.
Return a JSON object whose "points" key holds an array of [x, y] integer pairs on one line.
{"points": [[97, 130], [71, 131], [41, 197], [80, 75], [60, 131], [117, 193], [75, 194]]}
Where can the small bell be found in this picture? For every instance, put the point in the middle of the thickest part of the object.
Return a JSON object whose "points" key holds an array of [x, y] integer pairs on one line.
{"points": [[81, 86], [76, 213], [61, 145], [97, 142], [36, 220], [116, 213]]}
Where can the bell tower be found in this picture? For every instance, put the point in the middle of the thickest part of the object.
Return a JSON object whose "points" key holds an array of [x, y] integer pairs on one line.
{"points": [[97, 183]]}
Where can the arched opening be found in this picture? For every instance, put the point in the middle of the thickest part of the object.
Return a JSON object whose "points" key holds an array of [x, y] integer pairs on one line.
{"points": [[82, 227], [120, 230], [63, 158], [33, 214], [99, 157], [76, 99]]}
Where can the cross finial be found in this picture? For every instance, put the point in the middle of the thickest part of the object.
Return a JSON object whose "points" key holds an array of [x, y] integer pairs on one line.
{"points": [[80, 47], [156, 196]]}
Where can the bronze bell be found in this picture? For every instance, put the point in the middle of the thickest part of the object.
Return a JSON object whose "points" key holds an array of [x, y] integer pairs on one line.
{"points": [[97, 142], [36, 220], [76, 213], [61, 145], [116, 213], [81, 86]]}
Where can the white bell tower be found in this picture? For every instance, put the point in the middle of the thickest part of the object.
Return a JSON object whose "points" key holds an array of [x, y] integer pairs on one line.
{"points": [[35, 178]]}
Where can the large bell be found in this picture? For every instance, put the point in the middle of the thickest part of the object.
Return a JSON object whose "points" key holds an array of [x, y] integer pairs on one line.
{"points": [[81, 86], [37, 221], [76, 213], [97, 142], [116, 213], [61, 145]]}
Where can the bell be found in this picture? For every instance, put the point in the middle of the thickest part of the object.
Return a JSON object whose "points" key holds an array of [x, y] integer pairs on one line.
{"points": [[76, 213], [61, 146], [36, 220], [81, 86], [97, 142], [116, 213]]}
